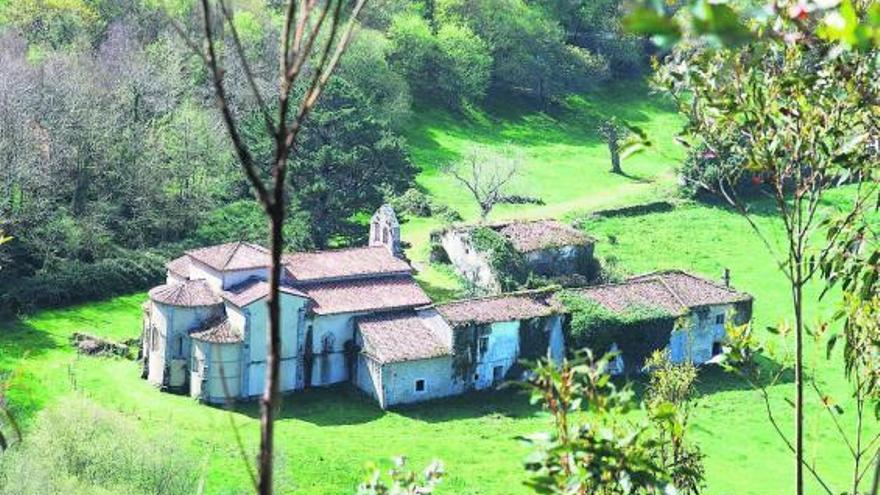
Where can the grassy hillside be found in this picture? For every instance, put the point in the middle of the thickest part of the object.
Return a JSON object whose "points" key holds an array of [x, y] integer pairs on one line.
{"points": [[327, 436], [564, 162]]}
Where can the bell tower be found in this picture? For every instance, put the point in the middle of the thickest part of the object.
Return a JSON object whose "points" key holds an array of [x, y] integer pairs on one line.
{"points": [[385, 230]]}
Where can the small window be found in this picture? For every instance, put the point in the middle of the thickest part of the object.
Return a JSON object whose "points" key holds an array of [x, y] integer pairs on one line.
{"points": [[154, 338], [497, 374], [179, 346], [420, 385], [476, 376], [717, 348], [719, 320], [483, 345]]}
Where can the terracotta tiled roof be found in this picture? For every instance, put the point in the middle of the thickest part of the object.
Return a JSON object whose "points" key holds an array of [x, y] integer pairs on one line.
{"points": [[694, 290], [218, 331], [233, 256], [506, 307], [253, 290], [396, 337], [650, 293], [343, 263], [352, 296], [191, 293], [527, 236], [179, 266], [672, 291]]}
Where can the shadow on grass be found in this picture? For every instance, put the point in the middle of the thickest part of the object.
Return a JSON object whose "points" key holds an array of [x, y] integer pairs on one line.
{"points": [[712, 379], [507, 402], [19, 339], [345, 405]]}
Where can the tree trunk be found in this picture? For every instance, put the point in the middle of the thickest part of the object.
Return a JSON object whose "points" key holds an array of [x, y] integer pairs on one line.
{"points": [[615, 160], [269, 402]]}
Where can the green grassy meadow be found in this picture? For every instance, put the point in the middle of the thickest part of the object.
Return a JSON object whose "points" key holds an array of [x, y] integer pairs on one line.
{"points": [[326, 437], [564, 163]]}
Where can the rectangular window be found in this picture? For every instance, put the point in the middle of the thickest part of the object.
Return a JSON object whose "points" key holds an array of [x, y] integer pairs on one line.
{"points": [[719, 320], [154, 338], [483, 345], [717, 348], [497, 374], [420, 385]]}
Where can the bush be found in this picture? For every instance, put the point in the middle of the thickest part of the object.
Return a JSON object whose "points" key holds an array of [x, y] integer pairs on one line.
{"points": [[66, 282], [508, 265], [415, 202], [451, 66], [77, 446], [638, 331]]}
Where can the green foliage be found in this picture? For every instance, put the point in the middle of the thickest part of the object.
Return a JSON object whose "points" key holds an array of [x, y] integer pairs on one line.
{"points": [[534, 338], [77, 446], [592, 448], [528, 49], [55, 23], [245, 220], [450, 66], [638, 331], [351, 173], [508, 264], [71, 281], [366, 66], [416, 203], [399, 481]]}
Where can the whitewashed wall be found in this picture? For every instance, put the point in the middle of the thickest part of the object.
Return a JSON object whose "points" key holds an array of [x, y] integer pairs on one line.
{"points": [[330, 368], [398, 381], [223, 363], [468, 262], [503, 351], [174, 325], [253, 322], [693, 343]]}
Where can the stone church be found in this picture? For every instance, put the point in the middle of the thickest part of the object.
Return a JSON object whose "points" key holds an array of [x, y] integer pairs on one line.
{"points": [[355, 315]]}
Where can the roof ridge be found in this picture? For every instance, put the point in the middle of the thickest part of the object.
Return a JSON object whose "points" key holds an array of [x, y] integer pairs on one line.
{"points": [[526, 292], [674, 294], [235, 247], [337, 250]]}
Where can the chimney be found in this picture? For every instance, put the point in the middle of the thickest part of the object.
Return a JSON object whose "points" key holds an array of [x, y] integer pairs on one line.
{"points": [[726, 277]]}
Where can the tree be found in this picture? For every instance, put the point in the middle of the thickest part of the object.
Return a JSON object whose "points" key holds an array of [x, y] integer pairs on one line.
{"points": [[623, 140], [313, 39], [452, 65], [592, 448], [799, 113], [489, 176]]}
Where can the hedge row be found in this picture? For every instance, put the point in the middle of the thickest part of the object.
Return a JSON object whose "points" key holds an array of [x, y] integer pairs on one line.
{"points": [[68, 282]]}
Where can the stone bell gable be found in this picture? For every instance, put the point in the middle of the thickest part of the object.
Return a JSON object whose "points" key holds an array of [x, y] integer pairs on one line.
{"points": [[385, 230]]}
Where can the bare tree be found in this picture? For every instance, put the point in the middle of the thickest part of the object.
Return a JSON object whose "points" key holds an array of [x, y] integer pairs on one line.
{"points": [[313, 38], [488, 176]]}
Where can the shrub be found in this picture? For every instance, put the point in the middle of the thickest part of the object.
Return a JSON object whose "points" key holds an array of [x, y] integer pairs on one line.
{"points": [[71, 281], [508, 265], [417, 203], [638, 331], [77, 446]]}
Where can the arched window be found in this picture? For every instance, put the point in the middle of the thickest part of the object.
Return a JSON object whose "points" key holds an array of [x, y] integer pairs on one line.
{"points": [[327, 343]]}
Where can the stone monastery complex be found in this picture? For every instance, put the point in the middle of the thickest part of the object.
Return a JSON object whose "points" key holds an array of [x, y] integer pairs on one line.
{"points": [[357, 315]]}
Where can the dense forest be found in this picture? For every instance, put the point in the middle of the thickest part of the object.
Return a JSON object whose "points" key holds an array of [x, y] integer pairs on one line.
{"points": [[114, 156]]}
